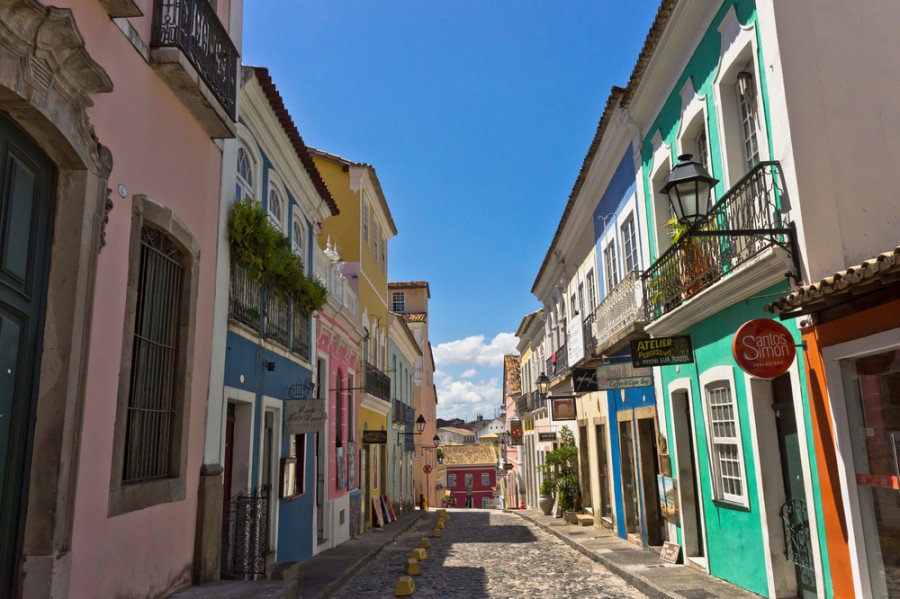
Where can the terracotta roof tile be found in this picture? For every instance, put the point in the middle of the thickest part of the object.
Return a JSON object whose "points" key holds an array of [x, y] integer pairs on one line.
{"points": [[886, 265], [414, 316], [513, 374], [287, 123], [468, 455]]}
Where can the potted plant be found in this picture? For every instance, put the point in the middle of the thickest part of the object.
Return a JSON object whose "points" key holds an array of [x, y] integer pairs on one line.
{"points": [[561, 465], [545, 501], [694, 264]]}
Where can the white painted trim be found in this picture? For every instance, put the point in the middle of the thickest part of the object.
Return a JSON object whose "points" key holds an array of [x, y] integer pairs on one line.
{"points": [[274, 405], [233, 394], [275, 182], [708, 377], [247, 141], [843, 446]]}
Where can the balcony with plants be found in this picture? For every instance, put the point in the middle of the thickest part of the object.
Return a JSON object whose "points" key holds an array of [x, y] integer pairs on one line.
{"points": [[269, 291], [741, 227], [192, 51]]}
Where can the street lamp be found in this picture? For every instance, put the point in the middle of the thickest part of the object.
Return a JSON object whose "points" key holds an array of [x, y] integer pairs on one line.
{"points": [[420, 426], [688, 188], [543, 385]]}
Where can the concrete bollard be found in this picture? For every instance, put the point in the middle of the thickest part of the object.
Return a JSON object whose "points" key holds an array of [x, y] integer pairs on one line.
{"points": [[418, 554], [425, 543], [437, 533], [405, 587], [412, 567], [439, 524]]}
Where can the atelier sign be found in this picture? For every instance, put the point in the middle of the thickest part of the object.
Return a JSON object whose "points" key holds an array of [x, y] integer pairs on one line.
{"points": [[662, 351], [375, 437]]}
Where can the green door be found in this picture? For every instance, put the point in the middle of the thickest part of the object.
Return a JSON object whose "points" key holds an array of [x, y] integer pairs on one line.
{"points": [[26, 216]]}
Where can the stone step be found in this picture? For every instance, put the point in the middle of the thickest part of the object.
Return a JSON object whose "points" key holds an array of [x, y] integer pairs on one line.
{"points": [[585, 520], [285, 571]]}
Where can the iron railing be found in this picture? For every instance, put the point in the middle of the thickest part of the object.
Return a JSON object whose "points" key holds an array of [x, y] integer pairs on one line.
{"points": [[398, 412], [522, 405], [377, 383], [797, 540], [245, 297], [278, 317], [620, 309], [300, 332], [193, 27], [587, 334], [562, 361], [245, 535], [695, 263]]}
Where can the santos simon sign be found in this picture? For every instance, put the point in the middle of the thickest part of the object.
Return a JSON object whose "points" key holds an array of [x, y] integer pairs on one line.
{"points": [[764, 348]]}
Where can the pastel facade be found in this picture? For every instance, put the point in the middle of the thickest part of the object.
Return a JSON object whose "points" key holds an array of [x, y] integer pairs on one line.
{"points": [[403, 355], [360, 235], [472, 466], [409, 299], [69, 134]]}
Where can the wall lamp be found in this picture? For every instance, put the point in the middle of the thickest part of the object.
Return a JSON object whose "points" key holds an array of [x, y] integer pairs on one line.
{"points": [[688, 188], [420, 426]]}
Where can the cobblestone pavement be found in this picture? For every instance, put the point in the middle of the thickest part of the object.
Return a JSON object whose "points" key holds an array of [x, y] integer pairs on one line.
{"points": [[486, 553]]}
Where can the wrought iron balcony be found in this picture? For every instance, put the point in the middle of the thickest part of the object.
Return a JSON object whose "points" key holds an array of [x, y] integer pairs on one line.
{"points": [[587, 335], [620, 314], [696, 263], [300, 332], [398, 412], [245, 297], [193, 52], [278, 321], [561, 364], [377, 383]]}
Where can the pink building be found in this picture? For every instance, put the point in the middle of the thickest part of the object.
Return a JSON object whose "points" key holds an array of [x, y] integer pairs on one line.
{"points": [[514, 491], [475, 466], [110, 112]]}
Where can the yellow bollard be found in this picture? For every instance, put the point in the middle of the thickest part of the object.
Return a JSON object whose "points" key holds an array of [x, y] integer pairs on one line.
{"points": [[412, 567], [437, 533], [405, 587], [425, 543], [440, 524], [418, 554]]}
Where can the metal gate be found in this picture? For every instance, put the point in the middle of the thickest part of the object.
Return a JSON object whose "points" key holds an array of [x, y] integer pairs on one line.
{"points": [[797, 542], [245, 535]]}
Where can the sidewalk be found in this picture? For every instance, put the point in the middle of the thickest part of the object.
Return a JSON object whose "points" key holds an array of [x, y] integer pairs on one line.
{"points": [[318, 577], [642, 569]]}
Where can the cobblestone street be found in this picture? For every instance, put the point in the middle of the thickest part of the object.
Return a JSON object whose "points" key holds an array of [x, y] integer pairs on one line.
{"points": [[487, 553]]}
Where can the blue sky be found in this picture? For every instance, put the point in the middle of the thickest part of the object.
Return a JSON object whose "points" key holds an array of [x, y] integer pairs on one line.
{"points": [[477, 117]]}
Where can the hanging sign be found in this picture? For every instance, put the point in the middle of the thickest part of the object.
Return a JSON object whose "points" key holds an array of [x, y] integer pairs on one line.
{"points": [[575, 340], [374, 437], [623, 376], [302, 416], [584, 380], [764, 348], [546, 436], [662, 351], [515, 432], [563, 409]]}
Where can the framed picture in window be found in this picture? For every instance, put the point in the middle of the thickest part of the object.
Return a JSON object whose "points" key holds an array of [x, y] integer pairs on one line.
{"points": [[563, 409]]}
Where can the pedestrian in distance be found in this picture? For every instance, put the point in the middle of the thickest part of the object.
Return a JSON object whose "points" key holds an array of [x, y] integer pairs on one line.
{"points": [[468, 493]]}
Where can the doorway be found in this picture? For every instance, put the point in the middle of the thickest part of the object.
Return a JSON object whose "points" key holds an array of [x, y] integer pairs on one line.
{"points": [[584, 461], [649, 462], [630, 496], [605, 507], [27, 179], [692, 533]]}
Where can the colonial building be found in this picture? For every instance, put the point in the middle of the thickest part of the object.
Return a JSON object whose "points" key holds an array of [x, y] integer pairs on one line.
{"points": [[403, 355], [112, 216], [471, 467]]}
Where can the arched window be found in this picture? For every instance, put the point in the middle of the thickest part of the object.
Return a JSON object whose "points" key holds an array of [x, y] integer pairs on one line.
{"points": [[276, 208], [246, 169]]}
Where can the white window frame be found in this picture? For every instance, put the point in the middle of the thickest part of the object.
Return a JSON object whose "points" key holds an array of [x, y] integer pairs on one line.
{"points": [[470, 480], [630, 258], [611, 265], [297, 221], [248, 189], [365, 219], [398, 306], [277, 188], [484, 503], [485, 479], [714, 379], [451, 480]]}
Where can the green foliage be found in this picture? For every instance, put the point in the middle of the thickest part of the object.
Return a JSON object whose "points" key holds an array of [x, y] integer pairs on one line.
{"points": [[267, 255], [546, 487], [561, 467]]}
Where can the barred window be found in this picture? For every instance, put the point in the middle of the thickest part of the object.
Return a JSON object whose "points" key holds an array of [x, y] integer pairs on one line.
{"points": [[151, 402], [725, 443]]}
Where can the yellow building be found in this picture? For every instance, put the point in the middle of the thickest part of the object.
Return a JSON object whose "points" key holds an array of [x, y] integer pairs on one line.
{"points": [[360, 234]]}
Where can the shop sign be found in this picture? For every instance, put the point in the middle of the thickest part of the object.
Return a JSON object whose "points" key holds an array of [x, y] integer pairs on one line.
{"points": [[507, 466], [584, 380], [563, 409], [623, 376], [575, 341], [670, 552], [375, 437], [764, 348], [515, 432], [662, 351], [546, 436], [302, 416]]}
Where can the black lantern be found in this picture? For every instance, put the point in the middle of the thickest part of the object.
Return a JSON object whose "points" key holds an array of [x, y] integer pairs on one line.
{"points": [[420, 423], [436, 440], [420, 426], [688, 187], [543, 385]]}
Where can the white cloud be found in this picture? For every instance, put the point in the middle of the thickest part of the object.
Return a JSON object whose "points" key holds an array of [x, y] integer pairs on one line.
{"points": [[469, 373], [473, 350], [465, 399]]}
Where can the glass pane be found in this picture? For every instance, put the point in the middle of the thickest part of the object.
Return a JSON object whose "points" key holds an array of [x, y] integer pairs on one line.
{"points": [[17, 245]]}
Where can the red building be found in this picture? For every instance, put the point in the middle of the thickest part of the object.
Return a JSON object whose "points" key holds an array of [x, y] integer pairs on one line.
{"points": [[475, 465]]}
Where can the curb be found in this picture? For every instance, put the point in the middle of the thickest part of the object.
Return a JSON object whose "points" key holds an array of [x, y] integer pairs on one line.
{"points": [[638, 582], [335, 586]]}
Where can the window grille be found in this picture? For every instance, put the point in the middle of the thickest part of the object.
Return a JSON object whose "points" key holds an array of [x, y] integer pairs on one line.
{"points": [[300, 332], [277, 322], [151, 401], [725, 441]]}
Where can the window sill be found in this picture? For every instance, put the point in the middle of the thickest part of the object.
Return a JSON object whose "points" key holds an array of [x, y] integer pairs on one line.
{"points": [[731, 505], [138, 496]]}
